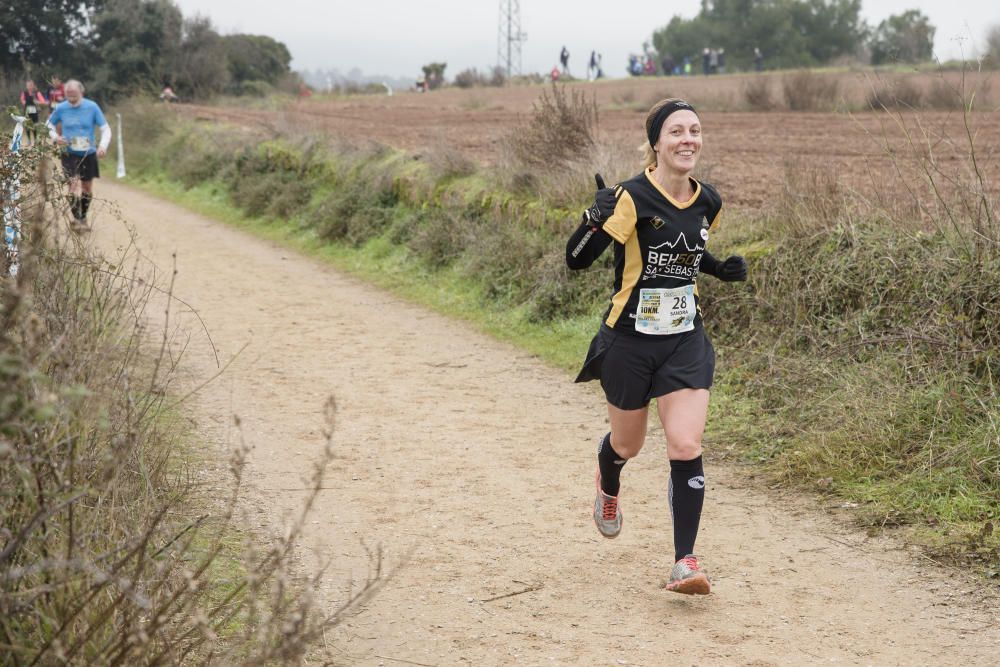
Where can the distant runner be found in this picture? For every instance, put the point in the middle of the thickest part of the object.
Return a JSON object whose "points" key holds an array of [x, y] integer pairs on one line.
{"points": [[56, 93], [32, 101], [73, 125], [651, 343]]}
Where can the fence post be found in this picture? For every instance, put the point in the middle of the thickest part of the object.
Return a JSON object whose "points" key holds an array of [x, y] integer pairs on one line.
{"points": [[121, 149]]}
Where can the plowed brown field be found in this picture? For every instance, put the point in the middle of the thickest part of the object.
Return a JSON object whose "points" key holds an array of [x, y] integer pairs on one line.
{"points": [[747, 155]]}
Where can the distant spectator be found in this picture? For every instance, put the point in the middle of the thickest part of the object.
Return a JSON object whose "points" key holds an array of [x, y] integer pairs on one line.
{"points": [[634, 65], [554, 73], [706, 60], [600, 71], [713, 61], [649, 66], [722, 61], [758, 60], [592, 66], [32, 102], [667, 63], [564, 59], [687, 66]]}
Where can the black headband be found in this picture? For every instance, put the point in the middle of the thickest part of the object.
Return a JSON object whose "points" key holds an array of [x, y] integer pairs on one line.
{"points": [[661, 117]]}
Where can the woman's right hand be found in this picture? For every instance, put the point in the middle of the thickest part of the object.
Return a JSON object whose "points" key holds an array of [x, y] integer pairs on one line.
{"points": [[603, 206]]}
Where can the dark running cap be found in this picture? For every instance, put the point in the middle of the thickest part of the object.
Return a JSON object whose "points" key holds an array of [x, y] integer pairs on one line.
{"points": [[661, 118]]}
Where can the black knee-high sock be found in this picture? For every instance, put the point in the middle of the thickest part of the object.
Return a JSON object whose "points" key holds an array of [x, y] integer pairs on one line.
{"points": [[611, 465], [74, 206], [687, 495], [85, 200]]}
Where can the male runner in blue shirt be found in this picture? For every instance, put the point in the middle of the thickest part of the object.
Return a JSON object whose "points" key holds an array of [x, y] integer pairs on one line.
{"points": [[73, 125]]}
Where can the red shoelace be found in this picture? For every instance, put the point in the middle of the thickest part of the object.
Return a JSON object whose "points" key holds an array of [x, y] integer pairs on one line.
{"points": [[609, 507], [690, 562]]}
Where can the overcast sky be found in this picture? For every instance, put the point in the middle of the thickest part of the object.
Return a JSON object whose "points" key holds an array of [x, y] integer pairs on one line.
{"points": [[395, 37]]}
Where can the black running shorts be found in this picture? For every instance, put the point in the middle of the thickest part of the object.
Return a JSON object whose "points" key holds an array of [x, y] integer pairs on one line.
{"points": [[633, 369], [83, 167]]}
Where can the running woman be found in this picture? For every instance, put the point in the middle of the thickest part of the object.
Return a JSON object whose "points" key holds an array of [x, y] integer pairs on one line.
{"points": [[57, 93], [32, 102], [651, 343], [72, 125]]}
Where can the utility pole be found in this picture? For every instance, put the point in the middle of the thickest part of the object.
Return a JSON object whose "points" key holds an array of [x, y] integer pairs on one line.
{"points": [[510, 38]]}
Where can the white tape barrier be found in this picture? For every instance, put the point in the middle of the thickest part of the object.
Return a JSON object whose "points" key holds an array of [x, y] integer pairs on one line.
{"points": [[121, 149], [11, 211]]}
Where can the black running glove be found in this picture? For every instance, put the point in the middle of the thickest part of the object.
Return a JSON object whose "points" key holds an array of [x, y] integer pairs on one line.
{"points": [[603, 206], [733, 269]]}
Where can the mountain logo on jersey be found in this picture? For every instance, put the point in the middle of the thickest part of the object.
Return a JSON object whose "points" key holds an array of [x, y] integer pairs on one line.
{"points": [[673, 259], [673, 246], [657, 222]]}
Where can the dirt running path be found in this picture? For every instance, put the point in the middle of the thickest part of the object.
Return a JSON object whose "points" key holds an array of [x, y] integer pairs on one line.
{"points": [[477, 460]]}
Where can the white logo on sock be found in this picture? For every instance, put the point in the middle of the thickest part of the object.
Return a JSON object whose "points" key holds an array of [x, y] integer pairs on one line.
{"points": [[697, 482]]}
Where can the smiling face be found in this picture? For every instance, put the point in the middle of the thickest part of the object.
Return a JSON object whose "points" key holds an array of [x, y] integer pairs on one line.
{"points": [[679, 144]]}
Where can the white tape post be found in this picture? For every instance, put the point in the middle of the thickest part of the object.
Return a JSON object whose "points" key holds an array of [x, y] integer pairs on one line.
{"points": [[11, 210], [121, 149]]}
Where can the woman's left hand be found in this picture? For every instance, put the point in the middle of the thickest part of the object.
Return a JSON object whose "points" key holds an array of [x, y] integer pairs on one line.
{"points": [[734, 269]]}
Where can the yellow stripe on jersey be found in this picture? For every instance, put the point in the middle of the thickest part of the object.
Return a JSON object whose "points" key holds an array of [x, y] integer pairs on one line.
{"points": [[680, 205], [630, 278], [715, 220], [621, 225]]}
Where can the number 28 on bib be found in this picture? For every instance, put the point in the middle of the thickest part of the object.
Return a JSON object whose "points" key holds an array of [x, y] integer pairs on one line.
{"points": [[663, 312]]}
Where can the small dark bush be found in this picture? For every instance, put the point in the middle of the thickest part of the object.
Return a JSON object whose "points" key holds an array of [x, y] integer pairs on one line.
{"points": [[808, 91], [900, 93], [757, 94]]}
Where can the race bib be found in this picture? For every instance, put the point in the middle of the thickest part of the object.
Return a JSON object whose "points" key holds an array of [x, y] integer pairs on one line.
{"points": [[666, 311], [31, 109], [79, 143]]}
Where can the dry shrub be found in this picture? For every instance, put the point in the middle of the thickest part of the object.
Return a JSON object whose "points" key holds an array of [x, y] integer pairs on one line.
{"points": [[442, 238], [506, 252], [560, 130], [112, 553], [355, 210], [807, 91], [470, 78], [447, 162], [757, 94], [896, 93], [812, 200]]}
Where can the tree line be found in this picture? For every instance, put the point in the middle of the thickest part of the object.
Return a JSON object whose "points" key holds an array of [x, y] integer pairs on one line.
{"points": [[123, 47], [796, 33]]}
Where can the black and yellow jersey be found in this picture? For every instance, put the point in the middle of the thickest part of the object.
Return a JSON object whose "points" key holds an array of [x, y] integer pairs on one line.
{"points": [[659, 243]]}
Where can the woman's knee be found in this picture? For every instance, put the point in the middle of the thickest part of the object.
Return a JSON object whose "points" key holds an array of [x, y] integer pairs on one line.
{"points": [[683, 447], [627, 445]]}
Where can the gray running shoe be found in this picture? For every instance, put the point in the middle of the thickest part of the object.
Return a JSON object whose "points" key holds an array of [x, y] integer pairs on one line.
{"points": [[688, 578], [607, 514]]}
